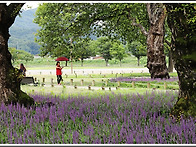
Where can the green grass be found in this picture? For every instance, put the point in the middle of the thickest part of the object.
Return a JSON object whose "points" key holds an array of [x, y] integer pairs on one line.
{"points": [[49, 63], [100, 79], [65, 91]]}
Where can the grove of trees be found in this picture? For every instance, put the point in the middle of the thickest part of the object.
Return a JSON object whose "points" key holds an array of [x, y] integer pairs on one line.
{"points": [[125, 21], [20, 55], [108, 49]]}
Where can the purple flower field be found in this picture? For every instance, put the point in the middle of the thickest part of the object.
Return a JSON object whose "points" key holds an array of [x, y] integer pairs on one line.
{"points": [[143, 79], [102, 119]]}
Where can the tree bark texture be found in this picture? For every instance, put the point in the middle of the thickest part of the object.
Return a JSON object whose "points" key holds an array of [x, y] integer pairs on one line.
{"points": [[184, 56], [9, 76], [156, 62], [171, 63]]}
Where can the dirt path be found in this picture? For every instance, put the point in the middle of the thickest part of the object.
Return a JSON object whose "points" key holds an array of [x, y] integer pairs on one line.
{"points": [[89, 71]]}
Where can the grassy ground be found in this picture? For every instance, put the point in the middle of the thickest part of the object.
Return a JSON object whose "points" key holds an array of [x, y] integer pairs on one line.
{"points": [[66, 91], [100, 80], [67, 88], [96, 79], [49, 63]]}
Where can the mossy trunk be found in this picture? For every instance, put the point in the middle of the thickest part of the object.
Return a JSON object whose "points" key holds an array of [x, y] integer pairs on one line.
{"points": [[10, 78], [184, 56]]}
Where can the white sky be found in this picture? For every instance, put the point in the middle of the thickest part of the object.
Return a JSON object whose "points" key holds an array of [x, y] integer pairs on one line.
{"points": [[35, 4], [32, 4]]}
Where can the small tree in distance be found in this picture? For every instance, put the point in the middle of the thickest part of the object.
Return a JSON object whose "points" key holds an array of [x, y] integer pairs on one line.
{"points": [[82, 50], [118, 51], [137, 49], [104, 46], [20, 55]]}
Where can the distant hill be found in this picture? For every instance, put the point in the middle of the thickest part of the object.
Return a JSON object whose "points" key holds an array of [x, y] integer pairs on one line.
{"points": [[22, 32]]}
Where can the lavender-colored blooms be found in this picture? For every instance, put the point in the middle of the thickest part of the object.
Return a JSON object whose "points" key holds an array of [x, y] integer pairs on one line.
{"points": [[103, 119], [142, 79]]}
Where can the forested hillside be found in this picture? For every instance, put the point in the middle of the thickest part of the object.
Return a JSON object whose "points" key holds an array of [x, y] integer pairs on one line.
{"points": [[22, 32]]}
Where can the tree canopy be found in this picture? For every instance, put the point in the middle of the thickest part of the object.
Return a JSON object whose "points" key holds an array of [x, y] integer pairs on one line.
{"points": [[20, 55], [104, 19], [118, 51], [137, 49], [124, 21]]}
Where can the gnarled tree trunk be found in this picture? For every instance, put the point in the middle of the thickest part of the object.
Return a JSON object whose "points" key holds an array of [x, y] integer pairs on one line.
{"points": [[10, 91], [184, 55], [156, 62]]}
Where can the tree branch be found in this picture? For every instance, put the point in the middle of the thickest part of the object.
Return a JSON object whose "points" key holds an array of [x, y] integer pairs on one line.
{"points": [[148, 6], [137, 24], [13, 11], [140, 26]]}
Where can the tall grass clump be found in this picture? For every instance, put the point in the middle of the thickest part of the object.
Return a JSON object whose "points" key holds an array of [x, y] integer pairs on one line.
{"points": [[102, 119]]}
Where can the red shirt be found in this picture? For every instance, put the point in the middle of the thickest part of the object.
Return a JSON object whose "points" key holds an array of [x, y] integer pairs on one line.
{"points": [[58, 71]]}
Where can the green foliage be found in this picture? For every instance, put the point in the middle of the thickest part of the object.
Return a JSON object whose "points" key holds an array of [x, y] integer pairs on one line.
{"points": [[118, 51], [103, 46], [108, 48], [53, 18], [167, 38], [82, 20], [20, 55], [137, 49], [81, 50]]}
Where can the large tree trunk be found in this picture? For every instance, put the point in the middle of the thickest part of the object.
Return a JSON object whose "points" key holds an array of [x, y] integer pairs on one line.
{"points": [[184, 53], [156, 62], [9, 76], [171, 63]]}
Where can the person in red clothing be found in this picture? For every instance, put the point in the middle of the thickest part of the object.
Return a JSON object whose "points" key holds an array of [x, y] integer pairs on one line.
{"points": [[58, 73]]}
